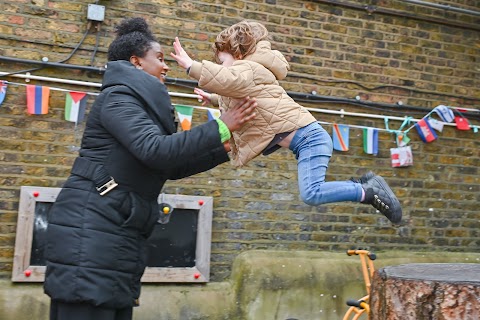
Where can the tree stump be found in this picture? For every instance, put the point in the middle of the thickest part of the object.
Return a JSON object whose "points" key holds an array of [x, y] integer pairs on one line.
{"points": [[426, 291]]}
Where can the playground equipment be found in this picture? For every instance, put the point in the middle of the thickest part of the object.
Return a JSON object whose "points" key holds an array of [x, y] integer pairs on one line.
{"points": [[361, 306]]}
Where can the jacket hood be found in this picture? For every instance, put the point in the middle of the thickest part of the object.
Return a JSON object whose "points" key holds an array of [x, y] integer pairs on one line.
{"points": [[273, 60], [124, 73], [146, 87]]}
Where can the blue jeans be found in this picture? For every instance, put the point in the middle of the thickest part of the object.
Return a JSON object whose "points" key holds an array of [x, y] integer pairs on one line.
{"points": [[313, 148]]}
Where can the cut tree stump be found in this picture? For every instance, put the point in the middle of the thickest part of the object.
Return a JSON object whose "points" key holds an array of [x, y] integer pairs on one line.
{"points": [[426, 291]]}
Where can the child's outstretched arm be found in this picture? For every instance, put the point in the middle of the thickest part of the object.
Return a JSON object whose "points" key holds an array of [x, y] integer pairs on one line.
{"points": [[205, 97], [235, 82], [182, 58]]}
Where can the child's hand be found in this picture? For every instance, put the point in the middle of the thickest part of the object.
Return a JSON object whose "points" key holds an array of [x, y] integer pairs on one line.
{"points": [[180, 55], [204, 96]]}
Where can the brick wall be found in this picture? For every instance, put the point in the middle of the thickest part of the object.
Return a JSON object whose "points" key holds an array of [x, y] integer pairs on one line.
{"points": [[387, 52]]}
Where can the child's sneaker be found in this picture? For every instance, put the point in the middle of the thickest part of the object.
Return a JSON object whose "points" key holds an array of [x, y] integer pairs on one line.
{"points": [[381, 197]]}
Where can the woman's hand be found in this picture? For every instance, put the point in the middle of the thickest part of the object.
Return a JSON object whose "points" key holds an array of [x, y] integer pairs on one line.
{"points": [[180, 55], [203, 96], [240, 114]]}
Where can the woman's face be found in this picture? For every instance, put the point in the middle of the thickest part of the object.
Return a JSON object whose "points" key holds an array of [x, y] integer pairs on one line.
{"points": [[153, 62], [225, 59]]}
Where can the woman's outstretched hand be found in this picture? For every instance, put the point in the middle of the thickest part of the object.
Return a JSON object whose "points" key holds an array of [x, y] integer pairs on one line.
{"points": [[240, 114], [180, 55]]}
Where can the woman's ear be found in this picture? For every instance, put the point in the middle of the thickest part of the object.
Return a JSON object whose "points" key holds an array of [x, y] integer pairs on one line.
{"points": [[136, 62]]}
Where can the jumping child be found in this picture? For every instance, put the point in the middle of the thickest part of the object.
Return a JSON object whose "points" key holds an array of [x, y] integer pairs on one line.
{"points": [[247, 66]]}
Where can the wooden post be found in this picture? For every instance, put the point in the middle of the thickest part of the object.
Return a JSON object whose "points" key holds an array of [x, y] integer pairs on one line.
{"points": [[426, 291]]}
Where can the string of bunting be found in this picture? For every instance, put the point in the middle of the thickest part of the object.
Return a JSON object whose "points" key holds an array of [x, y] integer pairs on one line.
{"points": [[76, 103]]}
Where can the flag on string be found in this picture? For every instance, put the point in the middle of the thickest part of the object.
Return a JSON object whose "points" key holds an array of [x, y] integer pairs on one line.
{"points": [[340, 137], [401, 157], [3, 90], [184, 116], [213, 114], [435, 124], [37, 99], [425, 131], [370, 141], [444, 112], [462, 123], [75, 105], [402, 139]]}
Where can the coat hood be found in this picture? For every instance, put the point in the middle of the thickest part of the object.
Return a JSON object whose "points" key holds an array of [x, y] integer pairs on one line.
{"points": [[145, 86], [273, 60], [124, 73]]}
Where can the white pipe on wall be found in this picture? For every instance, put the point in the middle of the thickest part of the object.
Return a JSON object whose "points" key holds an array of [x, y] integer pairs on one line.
{"points": [[443, 6]]}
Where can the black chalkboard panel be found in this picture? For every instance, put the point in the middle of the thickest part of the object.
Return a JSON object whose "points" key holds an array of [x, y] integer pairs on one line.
{"points": [[40, 224], [170, 245], [178, 251], [174, 244]]}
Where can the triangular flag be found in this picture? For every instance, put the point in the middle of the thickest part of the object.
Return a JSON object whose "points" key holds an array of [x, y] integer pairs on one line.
{"points": [[340, 137], [444, 112], [75, 105], [37, 99], [425, 131], [184, 116], [213, 114], [370, 141], [3, 90]]}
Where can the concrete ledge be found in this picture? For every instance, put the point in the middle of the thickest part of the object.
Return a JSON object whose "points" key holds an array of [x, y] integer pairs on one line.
{"points": [[264, 285], [311, 285]]}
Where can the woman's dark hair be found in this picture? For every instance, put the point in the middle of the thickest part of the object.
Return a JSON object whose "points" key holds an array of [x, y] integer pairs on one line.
{"points": [[133, 38]]}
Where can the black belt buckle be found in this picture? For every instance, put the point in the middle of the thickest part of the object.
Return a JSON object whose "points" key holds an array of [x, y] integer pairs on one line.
{"points": [[107, 187]]}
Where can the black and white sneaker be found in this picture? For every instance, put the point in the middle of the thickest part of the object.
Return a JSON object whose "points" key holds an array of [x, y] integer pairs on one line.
{"points": [[381, 197]]}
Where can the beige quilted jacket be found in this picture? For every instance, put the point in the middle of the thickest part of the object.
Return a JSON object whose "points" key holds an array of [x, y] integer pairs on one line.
{"points": [[255, 76]]}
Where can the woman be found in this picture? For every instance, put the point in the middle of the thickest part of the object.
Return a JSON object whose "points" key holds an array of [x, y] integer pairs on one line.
{"points": [[108, 206]]}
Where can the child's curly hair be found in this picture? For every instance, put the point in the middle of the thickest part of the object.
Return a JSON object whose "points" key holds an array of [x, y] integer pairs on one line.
{"points": [[240, 40]]}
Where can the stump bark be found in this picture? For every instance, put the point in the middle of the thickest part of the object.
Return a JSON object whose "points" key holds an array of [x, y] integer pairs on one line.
{"points": [[426, 291]]}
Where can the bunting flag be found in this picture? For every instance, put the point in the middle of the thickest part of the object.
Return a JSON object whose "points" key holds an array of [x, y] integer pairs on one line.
{"points": [[184, 116], [425, 131], [427, 128], [37, 99], [462, 123], [3, 90], [370, 141], [75, 105], [444, 112], [435, 124], [213, 114], [402, 139], [401, 157], [340, 137]]}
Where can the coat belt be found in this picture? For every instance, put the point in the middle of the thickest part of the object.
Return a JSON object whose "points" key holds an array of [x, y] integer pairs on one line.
{"points": [[95, 172]]}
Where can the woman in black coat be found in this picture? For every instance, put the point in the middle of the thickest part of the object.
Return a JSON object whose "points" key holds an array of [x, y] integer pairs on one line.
{"points": [[108, 206]]}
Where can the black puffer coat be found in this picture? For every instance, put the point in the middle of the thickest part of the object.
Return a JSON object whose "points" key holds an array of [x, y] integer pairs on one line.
{"points": [[96, 244]]}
